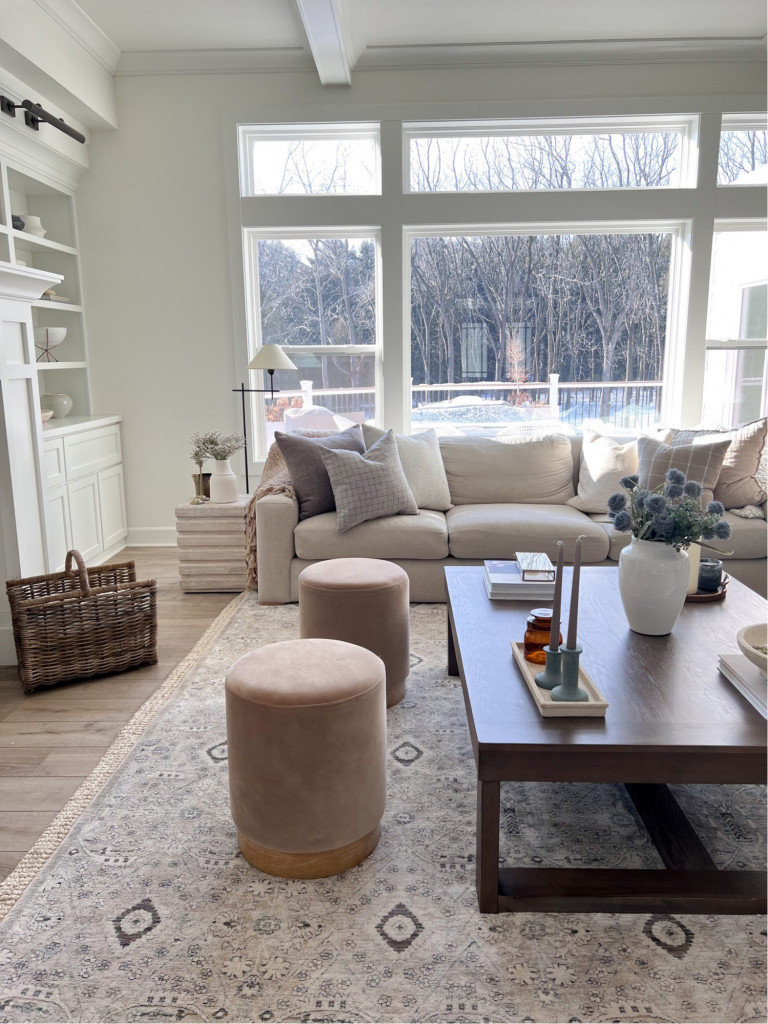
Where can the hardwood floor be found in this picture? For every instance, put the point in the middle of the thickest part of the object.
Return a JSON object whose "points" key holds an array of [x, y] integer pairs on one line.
{"points": [[52, 739]]}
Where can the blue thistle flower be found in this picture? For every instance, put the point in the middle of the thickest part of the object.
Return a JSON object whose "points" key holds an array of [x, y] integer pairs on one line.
{"points": [[663, 525], [722, 530], [622, 521], [655, 503], [674, 490], [674, 476], [716, 508], [692, 489], [629, 482], [617, 502], [641, 496]]}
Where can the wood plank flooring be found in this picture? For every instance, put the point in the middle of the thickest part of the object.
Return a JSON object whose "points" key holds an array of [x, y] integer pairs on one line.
{"points": [[52, 739]]}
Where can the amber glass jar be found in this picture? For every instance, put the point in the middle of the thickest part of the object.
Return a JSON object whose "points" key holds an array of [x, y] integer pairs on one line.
{"points": [[537, 635]]}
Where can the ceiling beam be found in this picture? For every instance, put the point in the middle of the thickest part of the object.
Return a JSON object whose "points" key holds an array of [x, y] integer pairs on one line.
{"points": [[323, 26]]}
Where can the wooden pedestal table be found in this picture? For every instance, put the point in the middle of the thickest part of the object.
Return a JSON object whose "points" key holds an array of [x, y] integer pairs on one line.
{"points": [[672, 718]]}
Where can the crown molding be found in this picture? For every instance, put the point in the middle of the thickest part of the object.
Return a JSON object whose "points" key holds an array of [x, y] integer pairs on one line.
{"points": [[213, 62], [76, 23], [563, 53], [438, 56]]}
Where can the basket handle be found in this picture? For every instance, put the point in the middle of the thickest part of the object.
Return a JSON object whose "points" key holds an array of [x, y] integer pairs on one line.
{"points": [[78, 558]]}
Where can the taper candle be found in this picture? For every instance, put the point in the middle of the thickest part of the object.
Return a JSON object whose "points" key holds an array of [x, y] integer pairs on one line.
{"points": [[573, 614], [554, 636]]}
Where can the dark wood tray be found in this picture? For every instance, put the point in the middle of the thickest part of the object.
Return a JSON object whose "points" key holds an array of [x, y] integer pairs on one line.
{"points": [[704, 596]]}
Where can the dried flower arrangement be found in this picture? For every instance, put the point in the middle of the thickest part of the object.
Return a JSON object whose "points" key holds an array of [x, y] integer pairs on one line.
{"points": [[215, 445], [670, 514]]}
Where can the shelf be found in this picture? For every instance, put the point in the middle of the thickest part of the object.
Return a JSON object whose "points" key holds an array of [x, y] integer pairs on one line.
{"points": [[37, 244], [61, 366], [45, 304]]}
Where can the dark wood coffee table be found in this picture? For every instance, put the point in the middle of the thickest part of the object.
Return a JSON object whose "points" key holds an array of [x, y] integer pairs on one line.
{"points": [[672, 719]]}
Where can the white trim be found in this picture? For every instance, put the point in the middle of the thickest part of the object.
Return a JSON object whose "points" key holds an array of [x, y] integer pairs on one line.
{"points": [[214, 62], [151, 537], [86, 33]]}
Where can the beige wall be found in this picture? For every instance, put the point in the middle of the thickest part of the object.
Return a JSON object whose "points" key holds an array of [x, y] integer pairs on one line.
{"points": [[158, 214]]}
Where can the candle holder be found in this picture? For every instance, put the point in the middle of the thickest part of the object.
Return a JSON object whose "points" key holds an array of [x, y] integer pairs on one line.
{"points": [[553, 670], [569, 688]]}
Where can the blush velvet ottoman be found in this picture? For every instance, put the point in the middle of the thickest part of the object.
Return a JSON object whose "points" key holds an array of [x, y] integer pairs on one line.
{"points": [[306, 731], [363, 601]]}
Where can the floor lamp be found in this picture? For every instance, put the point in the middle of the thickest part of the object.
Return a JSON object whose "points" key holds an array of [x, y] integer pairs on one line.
{"points": [[269, 358]]}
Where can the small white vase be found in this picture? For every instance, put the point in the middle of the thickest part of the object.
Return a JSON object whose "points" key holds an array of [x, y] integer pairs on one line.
{"points": [[60, 404], [223, 482], [653, 579], [33, 226]]}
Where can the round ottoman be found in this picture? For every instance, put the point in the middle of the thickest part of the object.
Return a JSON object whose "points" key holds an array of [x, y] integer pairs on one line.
{"points": [[363, 601], [306, 731]]}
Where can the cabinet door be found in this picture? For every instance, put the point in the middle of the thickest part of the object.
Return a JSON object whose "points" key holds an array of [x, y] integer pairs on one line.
{"points": [[58, 528], [114, 525], [85, 516]]}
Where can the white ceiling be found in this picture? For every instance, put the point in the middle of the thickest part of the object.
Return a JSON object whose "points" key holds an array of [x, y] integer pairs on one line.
{"points": [[338, 33]]}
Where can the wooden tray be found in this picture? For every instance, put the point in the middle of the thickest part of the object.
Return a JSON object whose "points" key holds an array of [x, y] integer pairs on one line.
{"points": [[548, 708], [702, 596]]}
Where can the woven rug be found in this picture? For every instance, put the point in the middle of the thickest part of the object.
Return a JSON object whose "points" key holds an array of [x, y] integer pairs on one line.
{"points": [[146, 911]]}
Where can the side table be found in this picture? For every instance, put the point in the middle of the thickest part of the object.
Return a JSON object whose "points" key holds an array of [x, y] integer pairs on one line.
{"points": [[211, 543]]}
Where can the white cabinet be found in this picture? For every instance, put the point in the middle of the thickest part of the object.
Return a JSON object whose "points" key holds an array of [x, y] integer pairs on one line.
{"points": [[85, 506]]}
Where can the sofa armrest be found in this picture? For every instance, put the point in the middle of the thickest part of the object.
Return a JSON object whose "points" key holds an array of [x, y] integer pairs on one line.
{"points": [[277, 516]]}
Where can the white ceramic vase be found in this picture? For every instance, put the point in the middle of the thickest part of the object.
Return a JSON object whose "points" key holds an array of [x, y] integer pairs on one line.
{"points": [[653, 579], [60, 404], [223, 482], [33, 226]]}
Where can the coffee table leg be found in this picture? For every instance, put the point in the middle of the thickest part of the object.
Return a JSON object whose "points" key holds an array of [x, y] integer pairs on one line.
{"points": [[453, 665], [487, 849]]}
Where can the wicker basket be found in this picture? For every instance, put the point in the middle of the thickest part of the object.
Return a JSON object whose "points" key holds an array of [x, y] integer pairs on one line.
{"points": [[81, 623]]}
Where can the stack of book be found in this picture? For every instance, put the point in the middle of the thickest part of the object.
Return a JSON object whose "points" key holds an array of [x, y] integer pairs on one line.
{"points": [[531, 577], [747, 678]]}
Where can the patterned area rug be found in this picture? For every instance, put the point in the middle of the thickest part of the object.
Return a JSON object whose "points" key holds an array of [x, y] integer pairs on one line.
{"points": [[147, 911]]}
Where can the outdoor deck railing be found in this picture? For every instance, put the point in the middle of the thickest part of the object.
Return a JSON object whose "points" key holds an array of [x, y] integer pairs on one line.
{"points": [[625, 405]]}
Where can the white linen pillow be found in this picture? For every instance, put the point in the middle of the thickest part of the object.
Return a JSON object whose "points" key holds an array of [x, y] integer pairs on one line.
{"points": [[604, 462], [527, 470], [422, 464]]}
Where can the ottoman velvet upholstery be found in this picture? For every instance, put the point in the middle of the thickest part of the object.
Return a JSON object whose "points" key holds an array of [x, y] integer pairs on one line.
{"points": [[363, 601], [306, 731]]}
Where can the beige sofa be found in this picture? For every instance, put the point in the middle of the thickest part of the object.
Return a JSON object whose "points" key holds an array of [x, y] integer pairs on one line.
{"points": [[507, 497]]}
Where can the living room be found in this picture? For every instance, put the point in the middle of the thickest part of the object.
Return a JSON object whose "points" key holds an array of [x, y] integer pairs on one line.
{"points": [[159, 275]]}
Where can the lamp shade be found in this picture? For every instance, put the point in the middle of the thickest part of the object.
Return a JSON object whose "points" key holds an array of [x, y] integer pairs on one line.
{"points": [[271, 357]]}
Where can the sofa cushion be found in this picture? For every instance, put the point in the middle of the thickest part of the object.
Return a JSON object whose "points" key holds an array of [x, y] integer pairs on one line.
{"points": [[368, 486], [749, 538], [738, 484], [603, 463], [422, 465], [421, 536], [498, 530], [308, 473], [616, 540], [699, 462], [483, 470]]}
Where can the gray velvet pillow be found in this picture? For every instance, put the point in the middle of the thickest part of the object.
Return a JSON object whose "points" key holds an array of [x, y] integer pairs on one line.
{"points": [[422, 464], [303, 457], [368, 486]]}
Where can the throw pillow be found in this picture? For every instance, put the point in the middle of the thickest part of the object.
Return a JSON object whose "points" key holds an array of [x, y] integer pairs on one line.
{"points": [[738, 484], [369, 485], [309, 476], [422, 464], [603, 463], [700, 462]]}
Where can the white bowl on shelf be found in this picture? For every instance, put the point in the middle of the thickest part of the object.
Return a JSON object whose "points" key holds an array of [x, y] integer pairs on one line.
{"points": [[749, 639], [45, 414]]}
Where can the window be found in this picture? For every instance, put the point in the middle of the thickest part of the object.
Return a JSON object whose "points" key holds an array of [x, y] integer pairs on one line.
{"points": [[743, 156], [572, 155], [309, 159], [505, 312], [316, 298], [735, 371]]}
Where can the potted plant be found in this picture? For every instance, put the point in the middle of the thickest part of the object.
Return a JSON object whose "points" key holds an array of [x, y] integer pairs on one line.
{"points": [[219, 447], [664, 522]]}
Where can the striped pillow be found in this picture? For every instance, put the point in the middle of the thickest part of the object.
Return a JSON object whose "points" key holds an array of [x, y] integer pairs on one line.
{"points": [[700, 462]]}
